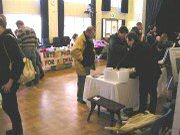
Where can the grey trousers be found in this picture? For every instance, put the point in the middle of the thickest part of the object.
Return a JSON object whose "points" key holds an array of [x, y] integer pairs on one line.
{"points": [[81, 82]]}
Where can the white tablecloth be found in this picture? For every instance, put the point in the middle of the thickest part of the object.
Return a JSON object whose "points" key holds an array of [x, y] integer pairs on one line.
{"points": [[124, 93]]}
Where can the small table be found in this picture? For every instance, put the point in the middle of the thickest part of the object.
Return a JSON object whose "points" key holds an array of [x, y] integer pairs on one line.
{"points": [[111, 106]]}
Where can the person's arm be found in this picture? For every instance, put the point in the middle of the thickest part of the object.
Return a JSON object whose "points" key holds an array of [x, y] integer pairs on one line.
{"points": [[35, 38], [76, 51]]}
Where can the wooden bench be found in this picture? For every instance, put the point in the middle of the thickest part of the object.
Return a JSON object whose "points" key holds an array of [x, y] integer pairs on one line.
{"points": [[111, 106]]}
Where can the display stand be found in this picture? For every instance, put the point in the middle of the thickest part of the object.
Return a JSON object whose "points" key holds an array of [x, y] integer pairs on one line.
{"points": [[176, 122]]}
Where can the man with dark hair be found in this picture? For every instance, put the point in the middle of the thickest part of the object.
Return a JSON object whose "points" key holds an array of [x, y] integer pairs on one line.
{"points": [[28, 43], [84, 56], [117, 47], [151, 35], [10, 70], [142, 57]]}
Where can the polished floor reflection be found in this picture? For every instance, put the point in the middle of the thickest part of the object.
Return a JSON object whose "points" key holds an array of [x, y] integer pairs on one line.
{"points": [[51, 108]]}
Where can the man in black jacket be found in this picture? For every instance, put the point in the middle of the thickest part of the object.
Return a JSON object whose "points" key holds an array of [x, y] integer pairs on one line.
{"points": [[10, 70], [117, 47], [142, 57]]}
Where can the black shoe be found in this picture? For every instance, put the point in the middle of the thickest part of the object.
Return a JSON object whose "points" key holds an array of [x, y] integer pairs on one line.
{"points": [[9, 132], [81, 101], [41, 76]]}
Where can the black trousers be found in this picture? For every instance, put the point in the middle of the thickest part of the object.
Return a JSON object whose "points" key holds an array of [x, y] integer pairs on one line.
{"points": [[148, 85], [10, 106]]}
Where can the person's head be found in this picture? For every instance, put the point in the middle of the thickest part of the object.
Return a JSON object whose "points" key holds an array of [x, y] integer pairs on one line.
{"points": [[158, 46], [139, 26], [4, 18], [20, 24], [2, 25], [90, 32], [152, 28], [122, 32], [164, 37], [132, 38], [74, 37]]}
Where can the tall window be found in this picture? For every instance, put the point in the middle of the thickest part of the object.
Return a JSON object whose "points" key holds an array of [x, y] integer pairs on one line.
{"points": [[116, 3], [33, 21], [110, 26], [74, 24], [79, 1]]}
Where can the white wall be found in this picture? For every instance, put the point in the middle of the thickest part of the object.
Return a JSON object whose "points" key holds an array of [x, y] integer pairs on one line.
{"points": [[135, 12], [105, 14], [75, 9], [21, 6]]}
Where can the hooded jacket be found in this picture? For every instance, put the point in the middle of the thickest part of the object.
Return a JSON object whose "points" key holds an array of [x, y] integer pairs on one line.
{"points": [[10, 53], [116, 51], [142, 57]]}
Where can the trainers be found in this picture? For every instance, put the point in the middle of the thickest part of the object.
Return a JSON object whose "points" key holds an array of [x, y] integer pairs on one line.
{"points": [[9, 132]]}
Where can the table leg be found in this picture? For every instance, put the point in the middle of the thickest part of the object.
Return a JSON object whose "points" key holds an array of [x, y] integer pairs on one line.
{"points": [[98, 110], [119, 118], [112, 118], [92, 109]]}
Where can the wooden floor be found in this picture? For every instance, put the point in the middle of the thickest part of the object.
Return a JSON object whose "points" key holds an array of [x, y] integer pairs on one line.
{"points": [[51, 108]]}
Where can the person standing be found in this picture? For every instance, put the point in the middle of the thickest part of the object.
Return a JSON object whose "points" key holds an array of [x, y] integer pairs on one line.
{"points": [[73, 40], [28, 43], [84, 56], [146, 64], [12, 65], [117, 47], [151, 35]]}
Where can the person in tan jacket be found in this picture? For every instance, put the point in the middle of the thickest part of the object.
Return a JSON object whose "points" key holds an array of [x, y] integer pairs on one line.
{"points": [[84, 56]]}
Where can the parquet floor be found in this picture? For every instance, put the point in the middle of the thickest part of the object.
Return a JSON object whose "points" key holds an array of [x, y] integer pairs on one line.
{"points": [[51, 108]]}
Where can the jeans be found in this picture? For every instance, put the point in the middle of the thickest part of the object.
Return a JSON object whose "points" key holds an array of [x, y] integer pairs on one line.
{"points": [[31, 54], [10, 106], [148, 85], [81, 82]]}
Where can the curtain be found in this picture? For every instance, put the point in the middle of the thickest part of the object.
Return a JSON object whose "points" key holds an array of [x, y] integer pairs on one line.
{"points": [[1, 7], [44, 19], [93, 14], [106, 5], [168, 18], [152, 9], [61, 19]]}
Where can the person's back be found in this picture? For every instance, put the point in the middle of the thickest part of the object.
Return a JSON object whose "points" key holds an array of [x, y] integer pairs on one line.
{"points": [[28, 42], [26, 37], [117, 47], [10, 71]]}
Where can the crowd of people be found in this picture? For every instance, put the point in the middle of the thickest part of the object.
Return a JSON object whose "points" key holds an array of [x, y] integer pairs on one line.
{"points": [[126, 49], [146, 53]]}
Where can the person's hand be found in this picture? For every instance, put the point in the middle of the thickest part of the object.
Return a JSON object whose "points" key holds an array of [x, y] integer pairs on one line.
{"points": [[158, 38], [7, 86], [160, 62]]}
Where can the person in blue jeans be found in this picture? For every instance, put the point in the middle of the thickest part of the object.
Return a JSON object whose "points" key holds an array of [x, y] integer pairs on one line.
{"points": [[84, 56], [11, 68]]}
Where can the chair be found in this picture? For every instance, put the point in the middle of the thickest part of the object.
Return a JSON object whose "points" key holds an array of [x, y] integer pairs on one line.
{"points": [[46, 42], [157, 127], [66, 40]]}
